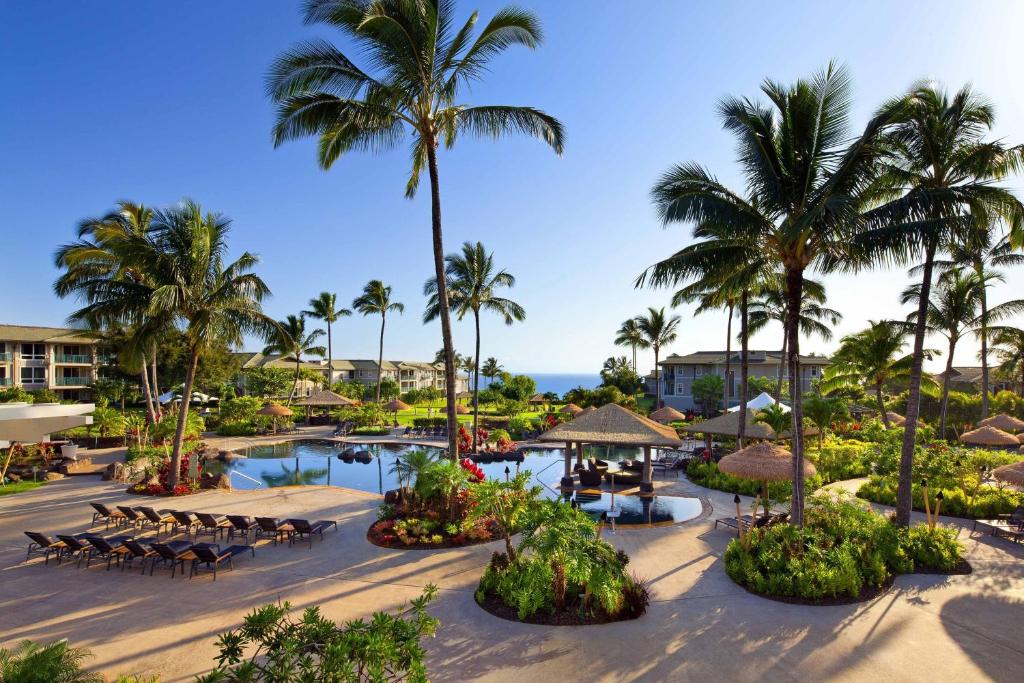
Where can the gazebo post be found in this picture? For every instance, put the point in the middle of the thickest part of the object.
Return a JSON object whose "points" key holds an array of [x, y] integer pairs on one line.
{"points": [[579, 454], [567, 483], [646, 485]]}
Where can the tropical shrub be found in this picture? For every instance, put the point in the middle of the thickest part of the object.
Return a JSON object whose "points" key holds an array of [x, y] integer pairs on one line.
{"points": [[33, 662], [986, 503], [15, 395], [837, 460], [237, 429], [506, 503], [430, 421], [843, 549], [371, 431], [272, 646], [268, 382], [708, 475]]}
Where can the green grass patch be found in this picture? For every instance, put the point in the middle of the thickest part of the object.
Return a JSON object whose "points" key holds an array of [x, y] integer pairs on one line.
{"points": [[18, 487]]}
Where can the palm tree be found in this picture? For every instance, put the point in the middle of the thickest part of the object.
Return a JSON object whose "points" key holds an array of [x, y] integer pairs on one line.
{"points": [[422, 67], [805, 180], [870, 359], [629, 335], [941, 172], [710, 295], [325, 307], [187, 283], [658, 330], [491, 369], [376, 300], [770, 307], [472, 287], [290, 339], [1008, 345]]}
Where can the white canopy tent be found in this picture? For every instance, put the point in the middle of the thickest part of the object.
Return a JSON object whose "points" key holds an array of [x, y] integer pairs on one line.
{"points": [[760, 403], [197, 397], [33, 423]]}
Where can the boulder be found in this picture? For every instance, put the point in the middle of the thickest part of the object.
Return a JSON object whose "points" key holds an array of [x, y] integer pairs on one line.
{"points": [[53, 476], [217, 481], [79, 466], [115, 472], [15, 478]]}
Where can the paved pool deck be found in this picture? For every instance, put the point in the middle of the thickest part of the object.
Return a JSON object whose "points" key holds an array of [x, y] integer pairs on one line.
{"points": [[700, 626]]}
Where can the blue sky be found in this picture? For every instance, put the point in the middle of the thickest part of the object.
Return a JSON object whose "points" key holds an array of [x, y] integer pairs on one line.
{"points": [[159, 101]]}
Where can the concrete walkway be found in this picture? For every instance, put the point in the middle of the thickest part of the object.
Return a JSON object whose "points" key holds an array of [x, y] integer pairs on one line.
{"points": [[700, 625]]}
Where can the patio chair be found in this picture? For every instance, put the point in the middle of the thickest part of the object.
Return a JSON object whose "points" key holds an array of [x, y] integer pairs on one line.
{"points": [[730, 522], [115, 517], [138, 551], [212, 558], [40, 544], [407, 432], [185, 520], [131, 516], [157, 520], [214, 525], [175, 553], [589, 476], [241, 524], [305, 530], [271, 528], [1001, 523], [75, 546], [111, 549]]}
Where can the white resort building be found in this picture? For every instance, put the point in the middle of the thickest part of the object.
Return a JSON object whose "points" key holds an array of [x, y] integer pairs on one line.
{"points": [[60, 359]]}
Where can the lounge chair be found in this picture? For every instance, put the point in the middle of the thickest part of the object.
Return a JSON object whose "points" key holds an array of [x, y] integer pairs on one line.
{"points": [[589, 476], [407, 432], [75, 546], [103, 548], [138, 551], [131, 515], [241, 524], [177, 553], [40, 544], [212, 558], [271, 528], [1002, 524], [157, 520], [115, 517], [185, 520], [730, 522], [214, 525], [305, 530]]}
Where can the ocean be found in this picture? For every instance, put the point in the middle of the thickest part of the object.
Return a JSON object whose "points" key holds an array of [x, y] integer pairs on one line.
{"points": [[561, 383]]}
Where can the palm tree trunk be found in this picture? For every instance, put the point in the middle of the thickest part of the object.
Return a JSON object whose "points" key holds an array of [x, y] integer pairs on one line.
{"points": [[904, 491], [945, 389], [782, 363], [147, 395], [179, 433], [657, 379], [634, 359], [156, 390], [330, 356], [728, 356], [380, 354], [295, 381], [794, 297], [744, 369], [476, 379], [881, 405], [442, 297], [984, 343]]}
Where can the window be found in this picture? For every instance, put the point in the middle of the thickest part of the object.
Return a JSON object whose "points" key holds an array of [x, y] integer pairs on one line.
{"points": [[33, 375], [33, 351], [698, 371], [815, 370], [73, 350]]}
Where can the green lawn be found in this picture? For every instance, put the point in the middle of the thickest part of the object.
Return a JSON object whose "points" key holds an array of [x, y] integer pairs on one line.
{"points": [[11, 489]]}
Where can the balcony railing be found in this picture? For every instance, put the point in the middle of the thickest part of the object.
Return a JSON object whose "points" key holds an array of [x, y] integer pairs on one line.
{"points": [[73, 358], [5, 381], [72, 381], [6, 356]]}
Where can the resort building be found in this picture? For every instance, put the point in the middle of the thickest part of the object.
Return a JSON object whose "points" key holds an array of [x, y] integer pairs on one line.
{"points": [[408, 374], [968, 379], [60, 359], [677, 374]]}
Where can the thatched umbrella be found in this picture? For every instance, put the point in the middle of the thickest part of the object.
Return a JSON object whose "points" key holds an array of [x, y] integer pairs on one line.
{"points": [[765, 462], [666, 415], [396, 405], [989, 436], [462, 410], [571, 408], [1007, 423], [586, 411], [275, 410], [1011, 474]]}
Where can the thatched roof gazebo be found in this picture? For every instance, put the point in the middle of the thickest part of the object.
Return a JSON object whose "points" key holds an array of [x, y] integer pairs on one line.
{"points": [[570, 408], [585, 411], [325, 398], [1007, 423], [612, 424], [666, 415], [1011, 474], [275, 410], [728, 424], [538, 399], [989, 437], [396, 406]]}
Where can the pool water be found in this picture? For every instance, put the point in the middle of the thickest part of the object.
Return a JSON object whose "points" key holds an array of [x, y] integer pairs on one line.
{"points": [[309, 462]]}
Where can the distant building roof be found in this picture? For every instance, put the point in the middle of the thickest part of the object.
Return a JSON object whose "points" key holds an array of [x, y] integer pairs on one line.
{"points": [[27, 333], [255, 359], [754, 357]]}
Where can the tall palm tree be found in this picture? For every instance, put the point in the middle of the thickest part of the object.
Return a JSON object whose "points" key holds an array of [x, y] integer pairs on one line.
{"points": [[473, 283], [629, 335], [658, 330], [770, 307], [325, 307], [96, 256], [805, 176], [1008, 345], [290, 339], [422, 66], [376, 300], [942, 173], [491, 369], [186, 283], [870, 359], [710, 295]]}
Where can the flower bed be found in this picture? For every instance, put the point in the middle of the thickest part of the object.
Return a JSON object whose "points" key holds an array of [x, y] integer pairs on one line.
{"points": [[845, 553], [429, 533]]}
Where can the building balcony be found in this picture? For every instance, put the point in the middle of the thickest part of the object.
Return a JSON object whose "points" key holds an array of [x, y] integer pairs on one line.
{"points": [[71, 381], [68, 358]]}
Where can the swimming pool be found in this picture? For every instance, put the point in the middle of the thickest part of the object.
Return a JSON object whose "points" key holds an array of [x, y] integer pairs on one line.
{"points": [[317, 462]]}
